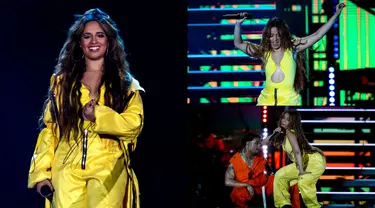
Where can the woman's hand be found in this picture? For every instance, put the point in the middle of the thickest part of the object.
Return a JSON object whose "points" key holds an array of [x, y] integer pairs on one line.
{"points": [[243, 16], [41, 184], [340, 7], [278, 130], [88, 111]]}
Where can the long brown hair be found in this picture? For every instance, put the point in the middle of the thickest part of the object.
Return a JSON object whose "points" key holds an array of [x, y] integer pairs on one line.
{"points": [[71, 66], [295, 122], [264, 49]]}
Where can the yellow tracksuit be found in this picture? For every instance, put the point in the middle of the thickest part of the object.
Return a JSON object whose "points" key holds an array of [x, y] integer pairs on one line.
{"points": [[288, 176], [285, 94], [106, 180]]}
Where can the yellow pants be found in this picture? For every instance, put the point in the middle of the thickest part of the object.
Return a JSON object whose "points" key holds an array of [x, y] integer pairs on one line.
{"points": [[280, 97], [288, 175], [100, 185]]}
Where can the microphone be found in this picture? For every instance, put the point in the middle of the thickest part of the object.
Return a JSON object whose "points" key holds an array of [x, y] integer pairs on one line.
{"points": [[277, 134], [46, 192], [237, 16]]}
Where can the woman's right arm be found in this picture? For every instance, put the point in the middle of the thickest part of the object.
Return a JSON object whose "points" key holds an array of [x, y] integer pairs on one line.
{"points": [[245, 46], [266, 141], [40, 167]]}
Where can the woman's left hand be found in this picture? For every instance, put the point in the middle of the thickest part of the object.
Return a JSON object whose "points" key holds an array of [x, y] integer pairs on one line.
{"points": [[339, 7], [88, 111]]}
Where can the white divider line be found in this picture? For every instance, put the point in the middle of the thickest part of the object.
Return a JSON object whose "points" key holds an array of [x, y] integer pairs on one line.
{"points": [[350, 168], [335, 121], [334, 110], [343, 144], [346, 193]]}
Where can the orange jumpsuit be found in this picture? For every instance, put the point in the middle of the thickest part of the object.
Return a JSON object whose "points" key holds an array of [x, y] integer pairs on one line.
{"points": [[257, 178]]}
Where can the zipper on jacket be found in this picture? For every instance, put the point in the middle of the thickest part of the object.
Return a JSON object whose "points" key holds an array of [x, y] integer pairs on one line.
{"points": [[84, 150], [275, 96]]}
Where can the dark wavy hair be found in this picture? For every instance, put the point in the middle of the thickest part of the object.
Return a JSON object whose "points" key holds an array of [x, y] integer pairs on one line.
{"points": [[248, 138], [71, 66], [287, 42], [295, 122]]}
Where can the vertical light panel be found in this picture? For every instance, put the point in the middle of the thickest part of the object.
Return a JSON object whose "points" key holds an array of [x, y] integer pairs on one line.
{"points": [[356, 38], [265, 130], [331, 90], [264, 115]]}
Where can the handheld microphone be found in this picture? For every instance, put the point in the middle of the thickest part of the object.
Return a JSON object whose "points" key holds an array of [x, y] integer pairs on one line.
{"points": [[46, 192], [277, 134], [237, 16]]}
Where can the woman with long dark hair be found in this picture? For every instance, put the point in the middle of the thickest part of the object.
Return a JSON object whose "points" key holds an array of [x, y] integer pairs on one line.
{"points": [[282, 59], [91, 121], [308, 162]]}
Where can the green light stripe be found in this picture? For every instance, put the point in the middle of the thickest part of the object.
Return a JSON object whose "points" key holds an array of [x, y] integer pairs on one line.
{"points": [[323, 19], [296, 8], [242, 6], [320, 101], [318, 83], [325, 189], [205, 68], [252, 21], [320, 3], [330, 130], [236, 67], [320, 55], [244, 37], [363, 29], [227, 100], [239, 84], [356, 96], [204, 100], [342, 98], [240, 100], [371, 31], [229, 68], [306, 20], [313, 7], [321, 45]]}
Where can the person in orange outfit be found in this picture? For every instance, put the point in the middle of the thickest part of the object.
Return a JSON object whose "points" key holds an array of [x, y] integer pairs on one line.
{"points": [[247, 174], [91, 121]]}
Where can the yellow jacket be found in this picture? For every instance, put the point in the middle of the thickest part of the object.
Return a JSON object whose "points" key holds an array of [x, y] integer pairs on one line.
{"points": [[126, 126]]}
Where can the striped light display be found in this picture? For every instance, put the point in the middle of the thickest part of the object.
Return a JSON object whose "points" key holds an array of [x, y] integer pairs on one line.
{"points": [[224, 55], [356, 24], [356, 45]]}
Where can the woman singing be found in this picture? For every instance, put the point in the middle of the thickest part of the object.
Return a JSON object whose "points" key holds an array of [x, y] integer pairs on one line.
{"points": [[308, 165]]}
